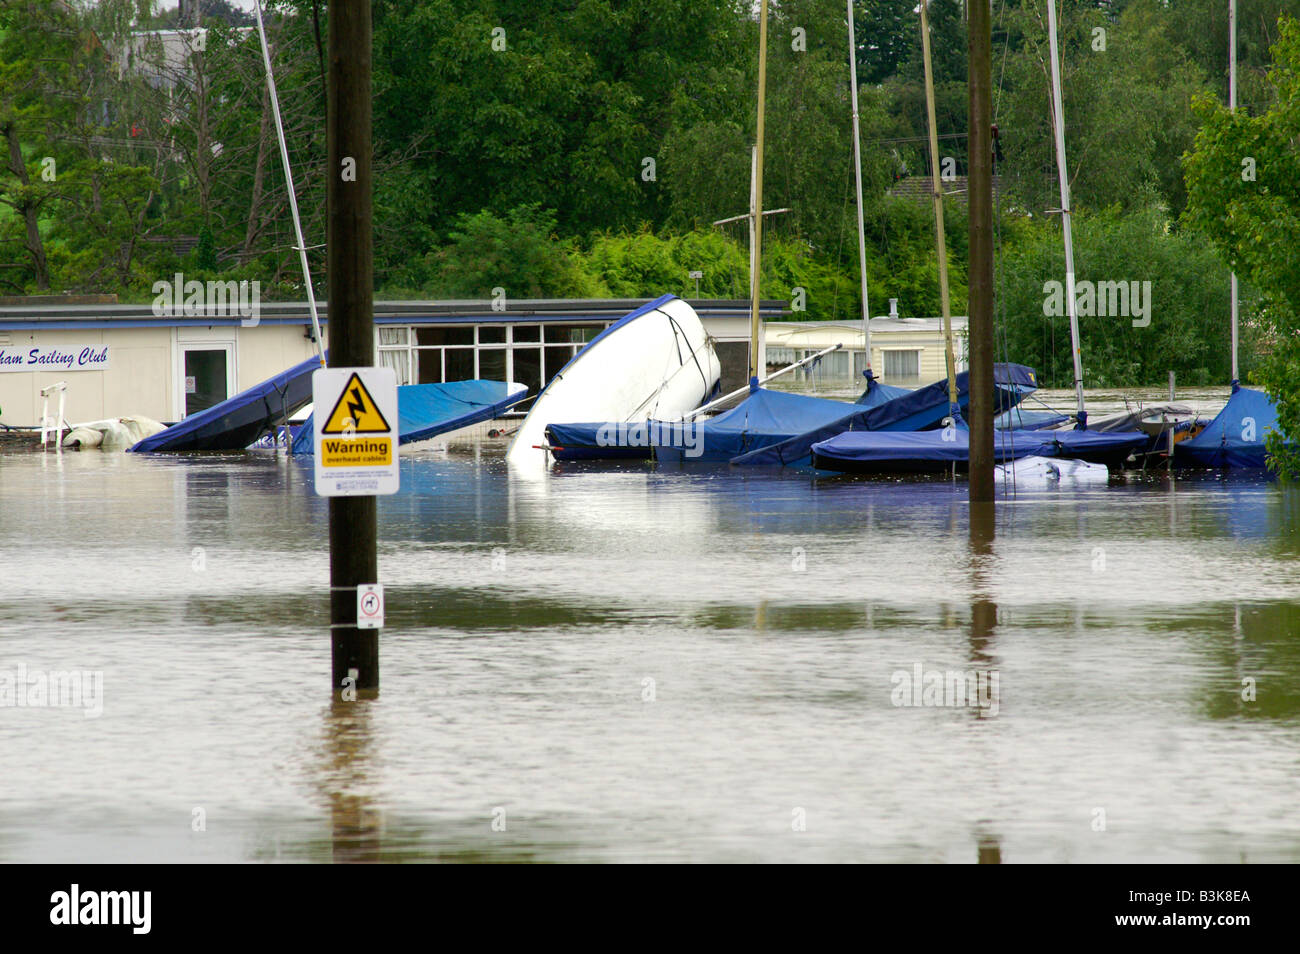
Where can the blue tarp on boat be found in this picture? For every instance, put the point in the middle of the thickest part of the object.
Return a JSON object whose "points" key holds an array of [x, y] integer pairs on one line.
{"points": [[877, 394], [1235, 438], [1020, 419], [926, 407], [238, 421], [931, 451], [427, 410], [917, 410], [763, 418]]}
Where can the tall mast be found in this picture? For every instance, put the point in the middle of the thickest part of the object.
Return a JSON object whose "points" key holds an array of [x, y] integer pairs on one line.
{"points": [[753, 216], [757, 219], [940, 244], [1058, 124], [1232, 105], [288, 181], [857, 171]]}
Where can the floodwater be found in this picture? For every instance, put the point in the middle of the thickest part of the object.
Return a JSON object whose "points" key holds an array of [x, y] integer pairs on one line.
{"points": [[624, 663]]}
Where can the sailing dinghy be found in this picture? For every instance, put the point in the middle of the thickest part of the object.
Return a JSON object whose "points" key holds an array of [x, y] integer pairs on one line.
{"points": [[655, 362], [1235, 439]]}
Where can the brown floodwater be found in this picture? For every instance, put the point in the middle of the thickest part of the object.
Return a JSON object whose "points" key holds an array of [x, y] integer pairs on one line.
{"points": [[623, 663]]}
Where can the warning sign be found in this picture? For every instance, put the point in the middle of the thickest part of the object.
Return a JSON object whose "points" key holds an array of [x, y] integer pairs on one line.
{"points": [[355, 411], [356, 441], [359, 452]]}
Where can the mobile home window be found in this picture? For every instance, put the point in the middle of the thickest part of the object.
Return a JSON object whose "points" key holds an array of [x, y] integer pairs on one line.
{"points": [[902, 364]]}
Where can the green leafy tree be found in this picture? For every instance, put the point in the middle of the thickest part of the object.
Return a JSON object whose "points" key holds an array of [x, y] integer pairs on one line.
{"points": [[1185, 329], [1243, 184], [517, 253]]}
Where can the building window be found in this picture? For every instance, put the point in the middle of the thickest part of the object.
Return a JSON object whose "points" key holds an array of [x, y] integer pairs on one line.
{"points": [[395, 352], [902, 364], [530, 354]]}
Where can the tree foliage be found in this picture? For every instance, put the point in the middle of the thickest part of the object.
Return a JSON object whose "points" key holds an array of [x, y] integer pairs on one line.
{"points": [[1243, 182], [587, 146]]}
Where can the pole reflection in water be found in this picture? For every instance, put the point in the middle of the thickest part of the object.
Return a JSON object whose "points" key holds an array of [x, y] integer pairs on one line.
{"points": [[990, 850], [356, 825], [983, 622], [984, 611]]}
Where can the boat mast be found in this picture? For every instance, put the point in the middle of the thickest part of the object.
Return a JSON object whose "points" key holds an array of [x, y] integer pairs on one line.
{"points": [[857, 172], [757, 218], [1232, 105], [288, 180], [940, 243], [1058, 125]]}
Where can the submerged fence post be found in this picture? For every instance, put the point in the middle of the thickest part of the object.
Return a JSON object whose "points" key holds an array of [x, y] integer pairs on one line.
{"points": [[350, 268]]}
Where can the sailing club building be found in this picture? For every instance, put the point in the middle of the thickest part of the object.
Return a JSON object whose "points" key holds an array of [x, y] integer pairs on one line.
{"points": [[118, 360]]}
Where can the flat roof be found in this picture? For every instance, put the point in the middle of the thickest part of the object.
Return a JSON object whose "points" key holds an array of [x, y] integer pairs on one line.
{"points": [[877, 324], [55, 317]]}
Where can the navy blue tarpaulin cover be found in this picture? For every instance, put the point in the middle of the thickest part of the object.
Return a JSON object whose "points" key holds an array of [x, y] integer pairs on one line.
{"points": [[427, 410], [1020, 419], [877, 393], [763, 417], [1235, 438], [917, 410], [926, 451], [240, 420]]}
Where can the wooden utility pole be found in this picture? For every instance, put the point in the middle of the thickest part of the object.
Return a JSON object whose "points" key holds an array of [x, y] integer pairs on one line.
{"points": [[980, 278], [350, 264]]}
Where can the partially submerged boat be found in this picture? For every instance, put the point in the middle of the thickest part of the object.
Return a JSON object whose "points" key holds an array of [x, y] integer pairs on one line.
{"points": [[941, 451], [777, 427], [922, 410], [1049, 472], [1235, 439], [765, 416], [238, 421], [115, 433], [425, 411], [656, 362]]}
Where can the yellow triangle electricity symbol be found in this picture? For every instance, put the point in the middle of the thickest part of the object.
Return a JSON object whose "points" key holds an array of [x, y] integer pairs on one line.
{"points": [[355, 412]]}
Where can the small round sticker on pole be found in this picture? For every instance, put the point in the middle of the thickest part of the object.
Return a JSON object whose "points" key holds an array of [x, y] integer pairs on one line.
{"points": [[370, 606]]}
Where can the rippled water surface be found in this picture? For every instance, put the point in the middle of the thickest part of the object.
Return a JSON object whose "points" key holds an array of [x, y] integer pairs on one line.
{"points": [[623, 663]]}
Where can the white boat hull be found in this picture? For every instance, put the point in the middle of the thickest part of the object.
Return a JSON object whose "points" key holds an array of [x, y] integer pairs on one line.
{"points": [[656, 363]]}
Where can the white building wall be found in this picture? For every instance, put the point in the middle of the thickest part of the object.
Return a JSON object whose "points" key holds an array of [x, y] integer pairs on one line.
{"points": [[144, 369]]}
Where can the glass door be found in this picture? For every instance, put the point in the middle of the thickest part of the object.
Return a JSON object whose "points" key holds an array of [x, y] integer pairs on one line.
{"points": [[207, 376]]}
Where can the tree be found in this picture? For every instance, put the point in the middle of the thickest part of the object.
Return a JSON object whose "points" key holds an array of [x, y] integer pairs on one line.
{"points": [[1243, 184]]}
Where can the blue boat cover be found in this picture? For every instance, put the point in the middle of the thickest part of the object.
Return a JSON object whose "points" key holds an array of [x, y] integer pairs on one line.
{"points": [[1235, 438], [1020, 419], [877, 393], [948, 444], [238, 421], [953, 445], [427, 410], [917, 410], [763, 417]]}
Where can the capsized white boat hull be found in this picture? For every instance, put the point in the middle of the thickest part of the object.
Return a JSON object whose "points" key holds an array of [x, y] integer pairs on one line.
{"points": [[657, 362], [1048, 471], [117, 433]]}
